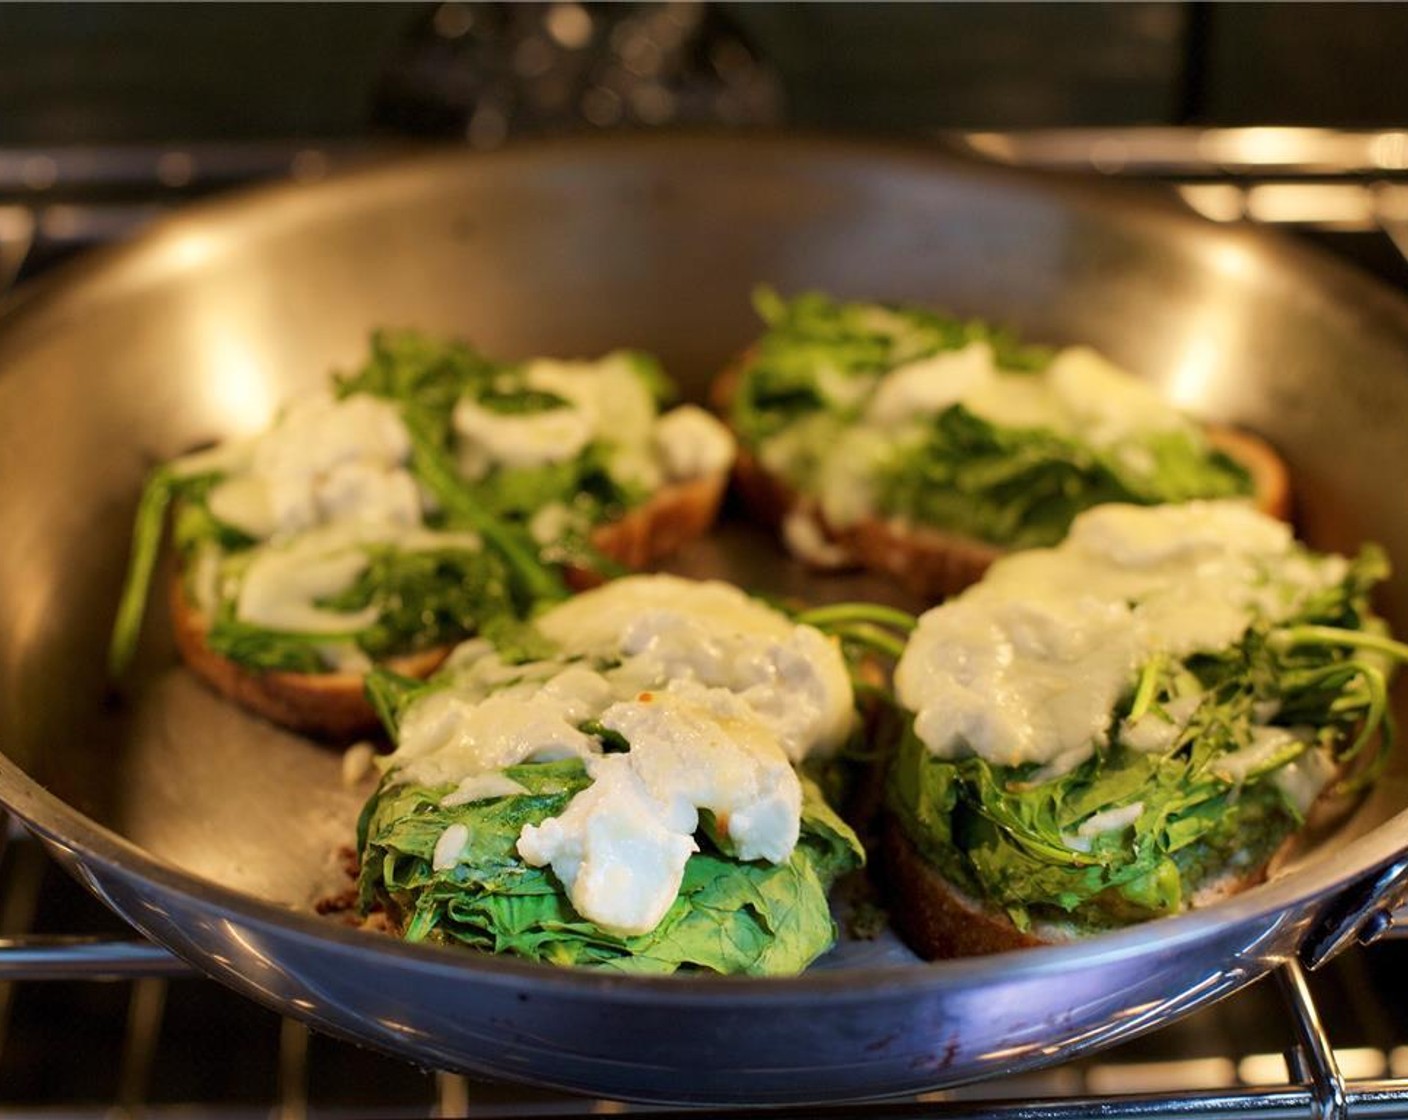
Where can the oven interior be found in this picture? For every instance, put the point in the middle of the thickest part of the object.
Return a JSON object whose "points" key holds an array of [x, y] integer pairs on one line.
{"points": [[93, 1023]]}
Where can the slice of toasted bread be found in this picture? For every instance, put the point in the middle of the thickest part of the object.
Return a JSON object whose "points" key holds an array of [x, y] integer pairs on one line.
{"points": [[938, 920], [932, 563], [934, 917], [325, 705], [332, 705], [676, 514]]}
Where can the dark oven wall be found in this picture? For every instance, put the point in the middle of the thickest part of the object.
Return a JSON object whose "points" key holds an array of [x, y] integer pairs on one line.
{"points": [[156, 73]]}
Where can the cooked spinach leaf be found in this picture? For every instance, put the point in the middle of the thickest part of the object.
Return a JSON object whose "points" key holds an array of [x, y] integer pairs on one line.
{"points": [[730, 917]]}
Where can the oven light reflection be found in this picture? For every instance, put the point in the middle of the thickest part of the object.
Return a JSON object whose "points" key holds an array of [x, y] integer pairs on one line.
{"points": [[1212, 332], [191, 249], [240, 389], [1355, 1063], [1218, 202], [1196, 369], [1263, 147], [1154, 1077]]}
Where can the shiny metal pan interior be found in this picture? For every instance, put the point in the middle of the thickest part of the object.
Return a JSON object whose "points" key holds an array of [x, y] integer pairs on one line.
{"points": [[212, 832]]}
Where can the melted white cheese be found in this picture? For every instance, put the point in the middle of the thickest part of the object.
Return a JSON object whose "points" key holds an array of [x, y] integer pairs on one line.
{"points": [[669, 628], [483, 787], [605, 402], [931, 385], [323, 460], [806, 539], [1081, 393], [1027, 665], [530, 439], [617, 406], [716, 694], [281, 586], [445, 737], [553, 522], [1103, 402], [615, 401], [621, 864], [1303, 779], [1156, 732], [699, 748], [449, 847], [692, 444], [1266, 743], [281, 582], [845, 476]]}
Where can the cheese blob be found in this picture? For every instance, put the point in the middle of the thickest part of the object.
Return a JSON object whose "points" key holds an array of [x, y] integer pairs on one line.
{"points": [[606, 402], [323, 460], [717, 697], [1029, 664]]}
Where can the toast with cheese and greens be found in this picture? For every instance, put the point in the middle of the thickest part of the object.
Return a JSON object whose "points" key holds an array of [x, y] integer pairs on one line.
{"points": [[428, 495], [1127, 725], [621, 785], [925, 446]]}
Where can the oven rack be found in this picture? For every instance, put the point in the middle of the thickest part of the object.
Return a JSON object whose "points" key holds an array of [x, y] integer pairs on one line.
{"points": [[143, 986]]}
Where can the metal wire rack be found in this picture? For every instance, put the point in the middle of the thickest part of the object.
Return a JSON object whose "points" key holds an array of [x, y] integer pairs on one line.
{"points": [[97, 1023]]}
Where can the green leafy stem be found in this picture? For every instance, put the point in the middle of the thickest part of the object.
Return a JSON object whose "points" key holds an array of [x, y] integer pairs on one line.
{"points": [[869, 625], [538, 581], [146, 546], [1377, 719]]}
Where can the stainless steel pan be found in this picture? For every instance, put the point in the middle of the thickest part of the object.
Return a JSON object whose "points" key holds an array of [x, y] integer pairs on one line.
{"points": [[212, 833]]}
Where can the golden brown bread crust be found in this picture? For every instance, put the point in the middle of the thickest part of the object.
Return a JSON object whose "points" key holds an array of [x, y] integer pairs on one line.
{"points": [[332, 705], [931, 563], [767, 497], [676, 514], [1271, 481], [938, 921], [324, 705]]}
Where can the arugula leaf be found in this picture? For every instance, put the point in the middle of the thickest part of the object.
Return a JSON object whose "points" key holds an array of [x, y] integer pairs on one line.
{"points": [[814, 344], [1009, 835], [421, 598], [390, 694], [813, 373], [425, 597], [534, 582], [259, 648], [520, 402], [518, 642], [1022, 487], [412, 368]]}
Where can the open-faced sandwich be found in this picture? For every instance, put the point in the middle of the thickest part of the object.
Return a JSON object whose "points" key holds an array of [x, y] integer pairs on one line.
{"points": [[925, 446], [428, 495], [621, 784], [1127, 725]]}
